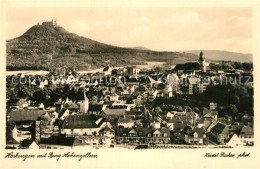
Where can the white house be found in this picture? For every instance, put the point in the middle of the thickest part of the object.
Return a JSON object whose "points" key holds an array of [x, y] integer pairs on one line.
{"points": [[235, 141], [212, 106], [156, 124], [170, 124], [125, 122], [114, 97], [45, 82], [169, 115], [41, 85]]}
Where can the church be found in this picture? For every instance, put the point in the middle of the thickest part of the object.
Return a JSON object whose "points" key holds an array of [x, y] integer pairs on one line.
{"points": [[192, 67]]}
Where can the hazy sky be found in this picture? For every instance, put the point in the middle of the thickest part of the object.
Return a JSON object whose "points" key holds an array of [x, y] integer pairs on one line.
{"points": [[171, 29]]}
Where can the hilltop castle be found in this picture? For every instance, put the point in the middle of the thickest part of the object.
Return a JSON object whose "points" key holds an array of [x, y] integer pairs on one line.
{"points": [[52, 23]]}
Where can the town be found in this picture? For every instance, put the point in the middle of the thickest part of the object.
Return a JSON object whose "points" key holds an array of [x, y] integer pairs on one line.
{"points": [[194, 104]]}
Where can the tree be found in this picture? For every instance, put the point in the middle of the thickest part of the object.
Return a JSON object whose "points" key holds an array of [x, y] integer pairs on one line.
{"points": [[184, 89], [232, 110], [39, 96]]}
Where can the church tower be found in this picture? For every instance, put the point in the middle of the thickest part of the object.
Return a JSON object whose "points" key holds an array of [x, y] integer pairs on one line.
{"points": [[202, 62], [84, 105]]}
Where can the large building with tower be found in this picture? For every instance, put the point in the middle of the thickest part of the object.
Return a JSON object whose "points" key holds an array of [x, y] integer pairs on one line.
{"points": [[192, 67]]}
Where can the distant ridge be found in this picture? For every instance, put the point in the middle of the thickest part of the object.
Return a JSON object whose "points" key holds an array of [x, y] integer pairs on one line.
{"points": [[224, 55], [140, 48]]}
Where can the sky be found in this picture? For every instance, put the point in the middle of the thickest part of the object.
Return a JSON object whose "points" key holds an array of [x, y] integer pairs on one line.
{"points": [[161, 29]]}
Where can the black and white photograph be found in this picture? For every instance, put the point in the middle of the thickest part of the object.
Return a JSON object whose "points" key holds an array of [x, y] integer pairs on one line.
{"points": [[134, 79]]}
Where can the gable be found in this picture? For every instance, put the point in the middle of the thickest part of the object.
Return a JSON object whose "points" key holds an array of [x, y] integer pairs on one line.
{"points": [[80, 121], [132, 131], [157, 132], [26, 115]]}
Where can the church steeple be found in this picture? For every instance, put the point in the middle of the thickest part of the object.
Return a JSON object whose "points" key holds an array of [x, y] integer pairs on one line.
{"points": [[201, 62], [84, 105], [201, 56]]}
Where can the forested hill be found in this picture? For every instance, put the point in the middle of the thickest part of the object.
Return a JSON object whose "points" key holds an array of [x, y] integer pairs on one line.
{"points": [[52, 47], [225, 55]]}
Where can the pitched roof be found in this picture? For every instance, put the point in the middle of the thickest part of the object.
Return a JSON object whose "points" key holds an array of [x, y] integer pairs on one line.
{"points": [[200, 131], [132, 112], [218, 128], [61, 140], [187, 66], [117, 112], [205, 110], [125, 120], [207, 115], [232, 136], [142, 131], [165, 130], [26, 115], [207, 123], [123, 131], [106, 129], [71, 105], [26, 143], [247, 130], [17, 102], [80, 121]]}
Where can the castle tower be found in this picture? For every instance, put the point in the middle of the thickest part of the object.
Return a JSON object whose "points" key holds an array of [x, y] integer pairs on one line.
{"points": [[84, 105], [55, 22], [202, 62]]}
